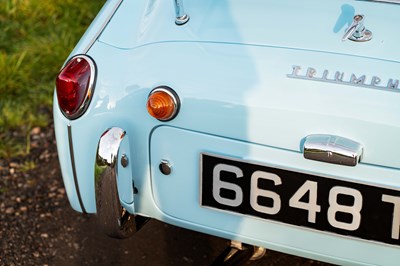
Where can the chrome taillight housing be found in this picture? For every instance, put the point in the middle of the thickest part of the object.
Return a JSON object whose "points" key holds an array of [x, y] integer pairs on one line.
{"points": [[75, 85]]}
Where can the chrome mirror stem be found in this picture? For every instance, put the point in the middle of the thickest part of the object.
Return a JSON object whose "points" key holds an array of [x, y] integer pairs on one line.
{"points": [[180, 16]]}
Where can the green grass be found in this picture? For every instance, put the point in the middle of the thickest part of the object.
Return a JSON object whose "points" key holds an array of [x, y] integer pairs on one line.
{"points": [[36, 37]]}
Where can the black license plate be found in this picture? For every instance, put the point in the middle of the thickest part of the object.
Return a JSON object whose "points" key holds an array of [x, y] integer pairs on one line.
{"points": [[325, 204]]}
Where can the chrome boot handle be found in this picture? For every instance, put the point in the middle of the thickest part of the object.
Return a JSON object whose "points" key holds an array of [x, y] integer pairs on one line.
{"points": [[357, 31], [332, 149]]}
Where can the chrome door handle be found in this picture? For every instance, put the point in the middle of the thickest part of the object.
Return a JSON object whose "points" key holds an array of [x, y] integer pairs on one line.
{"points": [[332, 149]]}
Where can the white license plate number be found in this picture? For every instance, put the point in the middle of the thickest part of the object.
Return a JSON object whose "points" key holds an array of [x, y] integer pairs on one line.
{"points": [[325, 204]]}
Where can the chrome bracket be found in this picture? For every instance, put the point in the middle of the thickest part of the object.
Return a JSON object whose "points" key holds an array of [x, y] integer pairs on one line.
{"points": [[332, 149], [357, 31], [180, 16], [238, 253]]}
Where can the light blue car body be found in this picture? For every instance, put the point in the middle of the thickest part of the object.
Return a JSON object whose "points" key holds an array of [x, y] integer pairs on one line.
{"points": [[232, 65]]}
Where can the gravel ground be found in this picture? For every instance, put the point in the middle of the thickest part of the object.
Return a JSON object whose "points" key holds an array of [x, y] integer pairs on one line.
{"points": [[38, 227]]}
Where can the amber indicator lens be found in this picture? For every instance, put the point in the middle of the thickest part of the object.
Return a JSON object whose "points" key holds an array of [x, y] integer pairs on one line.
{"points": [[162, 104]]}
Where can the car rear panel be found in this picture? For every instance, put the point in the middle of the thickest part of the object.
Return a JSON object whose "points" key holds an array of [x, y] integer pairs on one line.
{"points": [[251, 88], [241, 102]]}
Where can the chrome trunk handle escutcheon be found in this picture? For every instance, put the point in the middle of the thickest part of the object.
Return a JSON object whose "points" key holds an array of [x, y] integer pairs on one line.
{"points": [[332, 149]]}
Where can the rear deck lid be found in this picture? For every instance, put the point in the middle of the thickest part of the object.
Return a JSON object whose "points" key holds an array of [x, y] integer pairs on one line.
{"points": [[310, 25]]}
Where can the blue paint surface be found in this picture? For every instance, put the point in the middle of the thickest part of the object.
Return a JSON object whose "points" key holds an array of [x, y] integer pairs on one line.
{"points": [[229, 65]]}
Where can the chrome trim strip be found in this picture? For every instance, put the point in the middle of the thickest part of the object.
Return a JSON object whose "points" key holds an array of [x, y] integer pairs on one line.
{"points": [[382, 1], [332, 149], [102, 27], [71, 152]]}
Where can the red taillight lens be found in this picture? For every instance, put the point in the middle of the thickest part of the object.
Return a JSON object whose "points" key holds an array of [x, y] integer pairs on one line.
{"points": [[74, 86], [163, 103]]}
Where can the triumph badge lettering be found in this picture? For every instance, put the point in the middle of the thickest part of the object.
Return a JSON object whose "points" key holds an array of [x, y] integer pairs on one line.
{"points": [[339, 78]]}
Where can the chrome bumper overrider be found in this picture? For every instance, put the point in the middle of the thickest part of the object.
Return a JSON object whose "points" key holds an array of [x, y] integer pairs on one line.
{"points": [[114, 220], [107, 150]]}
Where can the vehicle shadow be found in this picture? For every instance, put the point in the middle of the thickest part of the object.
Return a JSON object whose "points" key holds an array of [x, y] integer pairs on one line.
{"points": [[156, 244]]}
